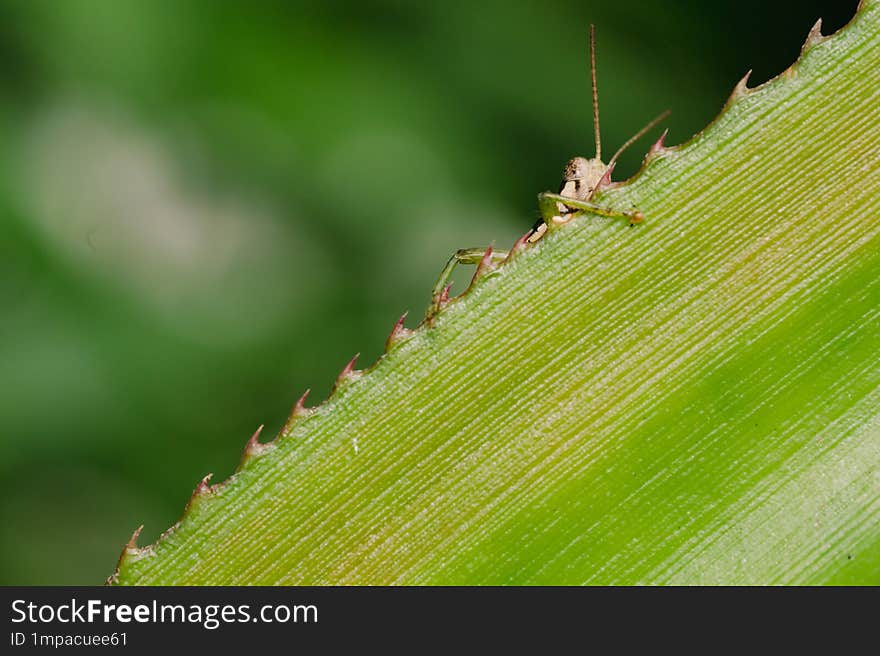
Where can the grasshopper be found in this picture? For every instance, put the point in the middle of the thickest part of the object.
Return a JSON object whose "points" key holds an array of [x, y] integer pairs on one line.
{"points": [[581, 179]]}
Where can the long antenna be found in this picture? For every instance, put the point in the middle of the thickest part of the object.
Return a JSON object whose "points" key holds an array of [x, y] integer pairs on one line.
{"points": [[638, 135], [595, 91]]}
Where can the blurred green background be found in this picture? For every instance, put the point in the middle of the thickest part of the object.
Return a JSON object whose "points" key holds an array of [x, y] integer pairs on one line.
{"points": [[206, 207]]}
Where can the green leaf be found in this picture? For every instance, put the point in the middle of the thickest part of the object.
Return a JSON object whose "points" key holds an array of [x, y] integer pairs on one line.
{"points": [[692, 400]]}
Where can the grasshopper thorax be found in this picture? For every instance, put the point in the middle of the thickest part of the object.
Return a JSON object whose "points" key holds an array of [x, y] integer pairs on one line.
{"points": [[581, 177]]}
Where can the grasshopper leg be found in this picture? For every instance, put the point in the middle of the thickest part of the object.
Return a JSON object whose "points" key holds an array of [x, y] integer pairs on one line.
{"points": [[461, 256], [548, 203]]}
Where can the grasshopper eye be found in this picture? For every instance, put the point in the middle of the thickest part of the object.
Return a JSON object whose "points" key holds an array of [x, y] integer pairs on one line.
{"points": [[575, 169]]}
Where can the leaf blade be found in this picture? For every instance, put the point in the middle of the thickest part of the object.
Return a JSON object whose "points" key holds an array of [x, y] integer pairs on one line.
{"points": [[617, 405]]}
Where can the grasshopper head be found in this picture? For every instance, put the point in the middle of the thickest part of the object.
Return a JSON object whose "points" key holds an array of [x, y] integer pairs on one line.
{"points": [[581, 176]]}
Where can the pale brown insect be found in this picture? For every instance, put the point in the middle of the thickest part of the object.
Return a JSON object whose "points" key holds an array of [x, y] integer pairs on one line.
{"points": [[581, 178]]}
